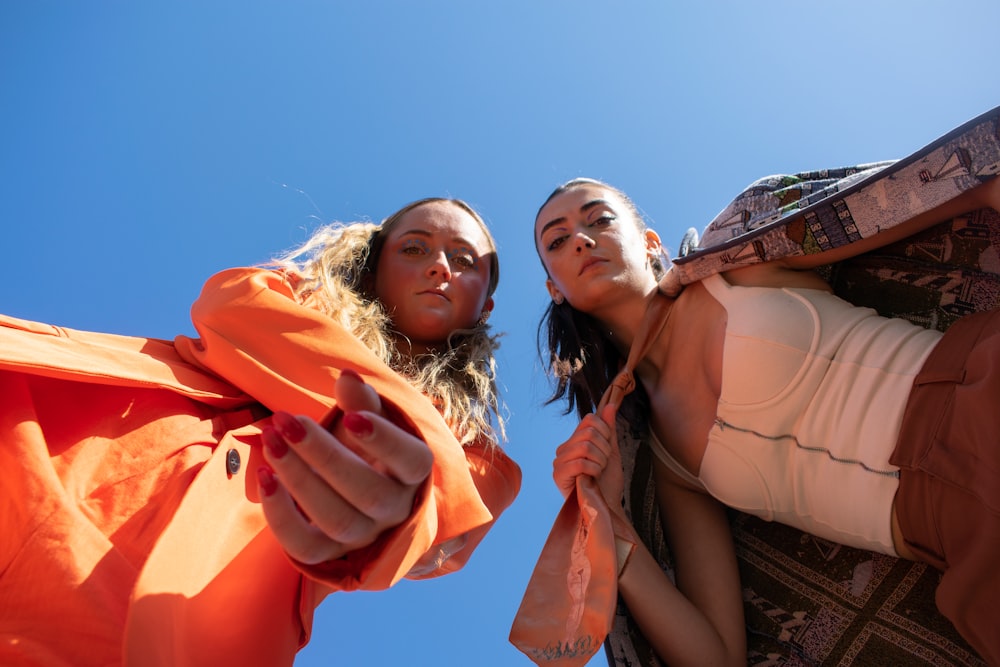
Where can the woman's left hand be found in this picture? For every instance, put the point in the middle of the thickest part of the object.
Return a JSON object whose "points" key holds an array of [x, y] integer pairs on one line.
{"points": [[326, 494]]}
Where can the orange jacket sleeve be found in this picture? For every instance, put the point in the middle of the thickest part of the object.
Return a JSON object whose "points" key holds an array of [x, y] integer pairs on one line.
{"points": [[256, 335], [498, 480]]}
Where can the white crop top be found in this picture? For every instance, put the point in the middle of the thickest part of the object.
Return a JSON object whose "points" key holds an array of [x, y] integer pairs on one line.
{"points": [[813, 392]]}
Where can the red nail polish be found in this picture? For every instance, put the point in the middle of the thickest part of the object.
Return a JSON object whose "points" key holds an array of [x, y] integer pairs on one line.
{"points": [[266, 479], [274, 442], [289, 426], [358, 424], [350, 372]]}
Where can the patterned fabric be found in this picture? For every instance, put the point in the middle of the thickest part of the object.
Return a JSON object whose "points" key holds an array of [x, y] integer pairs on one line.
{"points": [[802, 214], [808, 601]]}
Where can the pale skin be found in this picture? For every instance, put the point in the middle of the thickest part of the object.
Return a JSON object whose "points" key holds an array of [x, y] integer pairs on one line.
{"points": [[598, 260], [327, 494]]}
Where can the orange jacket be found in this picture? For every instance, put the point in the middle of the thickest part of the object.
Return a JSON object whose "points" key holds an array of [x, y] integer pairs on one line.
{"points": [[129, 515]]}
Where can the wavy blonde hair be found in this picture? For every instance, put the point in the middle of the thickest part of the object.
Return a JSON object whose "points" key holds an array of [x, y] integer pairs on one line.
{"points": [[337, 266]]}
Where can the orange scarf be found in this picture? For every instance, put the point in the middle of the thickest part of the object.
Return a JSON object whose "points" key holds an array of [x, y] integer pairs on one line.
{"points": [[568, 607]]}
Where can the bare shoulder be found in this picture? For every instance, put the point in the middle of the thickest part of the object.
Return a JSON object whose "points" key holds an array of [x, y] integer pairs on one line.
{"points": [[684, 394]]}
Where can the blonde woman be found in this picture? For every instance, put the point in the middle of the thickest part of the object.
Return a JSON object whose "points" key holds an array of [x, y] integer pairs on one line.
{"points": [[333, 427]]}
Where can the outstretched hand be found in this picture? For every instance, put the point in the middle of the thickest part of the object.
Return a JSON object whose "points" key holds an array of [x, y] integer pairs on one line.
{"points": [[592, 450], [326, 494]]}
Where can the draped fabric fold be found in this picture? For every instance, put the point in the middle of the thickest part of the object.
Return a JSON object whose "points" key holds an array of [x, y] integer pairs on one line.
{"points": [[570, 601]]}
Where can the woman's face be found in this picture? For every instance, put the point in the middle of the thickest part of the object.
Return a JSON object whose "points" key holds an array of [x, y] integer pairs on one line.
{"points": [[592, 248], [433, 273]]}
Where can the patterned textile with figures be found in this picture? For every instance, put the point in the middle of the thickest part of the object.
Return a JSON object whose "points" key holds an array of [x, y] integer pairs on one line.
{"points": [[808, 601]]}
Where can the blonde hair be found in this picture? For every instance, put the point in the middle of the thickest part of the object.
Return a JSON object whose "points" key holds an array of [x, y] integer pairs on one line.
{"points": [[336, 271]]}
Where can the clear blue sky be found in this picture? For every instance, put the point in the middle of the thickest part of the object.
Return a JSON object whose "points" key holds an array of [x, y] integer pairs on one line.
{"points": [[148, 145]]}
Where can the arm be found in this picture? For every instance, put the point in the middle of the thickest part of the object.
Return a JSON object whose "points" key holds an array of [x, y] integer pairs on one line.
{"points": [[498, 480], [700, 620], [350, 491], [256, 334]]}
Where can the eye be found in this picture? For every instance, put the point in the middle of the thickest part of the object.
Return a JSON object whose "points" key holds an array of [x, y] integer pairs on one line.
{"points": [[556, 242], [464, 257], [413, 247], [605, 219]]}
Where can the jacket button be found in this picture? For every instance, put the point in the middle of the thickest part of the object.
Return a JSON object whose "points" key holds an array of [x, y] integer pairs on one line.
{"points": [[232, 461]]}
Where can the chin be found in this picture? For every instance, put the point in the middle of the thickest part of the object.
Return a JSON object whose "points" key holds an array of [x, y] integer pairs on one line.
{"points": [[428, 332]]}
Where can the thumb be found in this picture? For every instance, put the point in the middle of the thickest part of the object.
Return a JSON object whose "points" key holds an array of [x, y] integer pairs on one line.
{"points": [[608, 413]]}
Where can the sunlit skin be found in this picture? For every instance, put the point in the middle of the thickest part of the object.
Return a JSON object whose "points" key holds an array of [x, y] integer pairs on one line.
{"points": [[598, 260], [594, 253], [433, 275]]}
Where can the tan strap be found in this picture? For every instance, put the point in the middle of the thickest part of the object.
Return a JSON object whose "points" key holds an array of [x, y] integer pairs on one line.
{"points": [[657, 314]]}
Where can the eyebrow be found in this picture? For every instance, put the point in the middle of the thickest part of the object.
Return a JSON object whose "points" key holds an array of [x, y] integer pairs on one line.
{"points": [[426, 234], [583, 209]]}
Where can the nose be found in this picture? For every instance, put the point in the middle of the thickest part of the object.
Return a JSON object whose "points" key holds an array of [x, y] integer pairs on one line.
{"points": [[439, 266], [583, 241]]}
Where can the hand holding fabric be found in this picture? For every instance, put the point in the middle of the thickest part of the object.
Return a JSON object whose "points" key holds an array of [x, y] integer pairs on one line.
{"points": [[591, 451], [568, 607]]}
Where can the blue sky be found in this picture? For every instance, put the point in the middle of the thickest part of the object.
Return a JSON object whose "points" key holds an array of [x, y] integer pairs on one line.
{"points": [[148, 145]]}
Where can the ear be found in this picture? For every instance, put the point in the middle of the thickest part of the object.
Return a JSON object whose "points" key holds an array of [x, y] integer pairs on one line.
{"points": [[653, 244], [556, 295], [488, 305]]}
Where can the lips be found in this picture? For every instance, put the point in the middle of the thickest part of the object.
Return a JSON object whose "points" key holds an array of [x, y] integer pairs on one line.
{"points": [[589, 263], [435, 292]]}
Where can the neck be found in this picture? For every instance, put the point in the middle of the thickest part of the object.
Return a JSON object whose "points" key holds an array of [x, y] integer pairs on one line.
{"points": [[409, 349], [627, 324], [623, 318]]}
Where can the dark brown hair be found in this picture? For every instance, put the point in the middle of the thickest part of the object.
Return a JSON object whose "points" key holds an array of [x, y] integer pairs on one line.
{"points": [[581, 357]]}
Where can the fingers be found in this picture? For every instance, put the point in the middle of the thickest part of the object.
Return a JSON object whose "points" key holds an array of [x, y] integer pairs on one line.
{"points": [[301, 539], [303, 509], [324, 466], [404, 456], [353, 395], [327, 493], [325, 499], [592, 431], [608, 415], [587, 452]]}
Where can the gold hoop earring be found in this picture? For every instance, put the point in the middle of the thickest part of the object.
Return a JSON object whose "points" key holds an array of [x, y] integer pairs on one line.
{"points": [[483, 317]]}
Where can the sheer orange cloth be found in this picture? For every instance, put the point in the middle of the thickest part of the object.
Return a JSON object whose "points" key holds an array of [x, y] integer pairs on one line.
{"points": [[569, 604]]}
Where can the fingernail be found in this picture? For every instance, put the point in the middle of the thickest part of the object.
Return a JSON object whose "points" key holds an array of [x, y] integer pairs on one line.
{"points": [[274, 442], [358, 424], [289, 426], [350, 372], [266, 479]]}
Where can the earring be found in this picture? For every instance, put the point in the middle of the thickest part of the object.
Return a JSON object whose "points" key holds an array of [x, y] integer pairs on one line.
{"points": [[558, 299], [485, 315]]}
